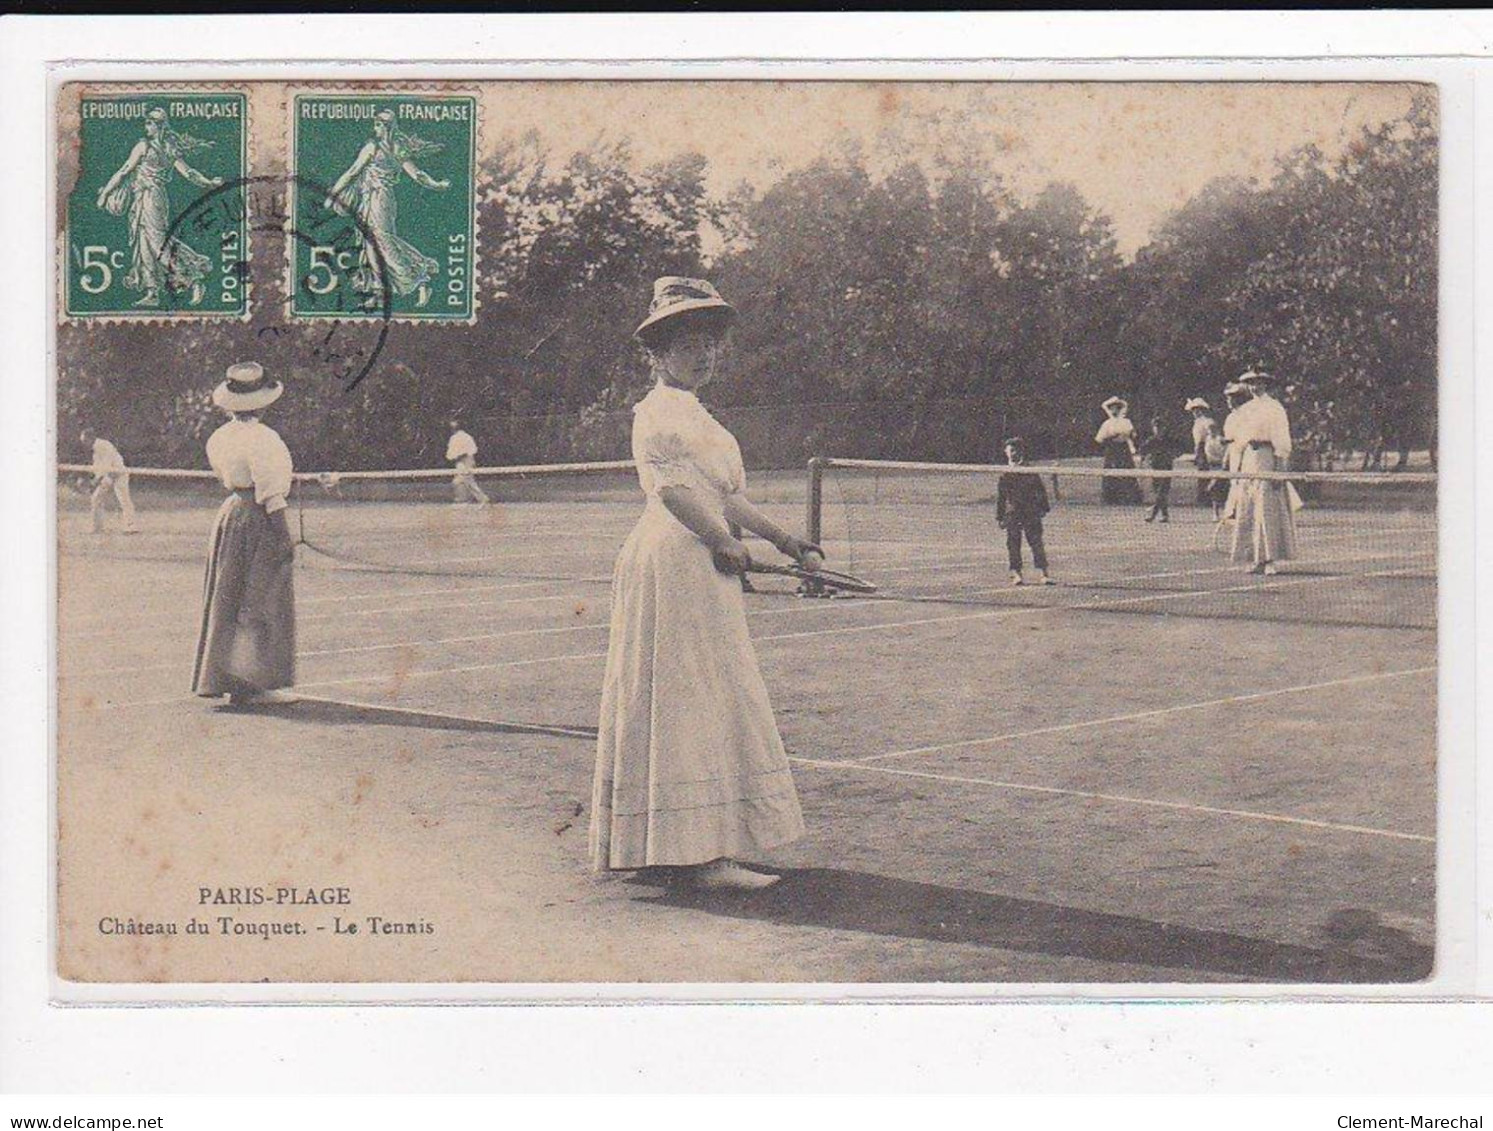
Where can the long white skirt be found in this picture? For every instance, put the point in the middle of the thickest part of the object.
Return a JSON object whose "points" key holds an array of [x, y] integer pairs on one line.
{"points": [[689, 763], [1264, 523]]}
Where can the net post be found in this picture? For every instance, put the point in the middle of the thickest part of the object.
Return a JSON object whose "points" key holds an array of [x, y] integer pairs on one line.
{"points": [[813, 520], [813, 526]]}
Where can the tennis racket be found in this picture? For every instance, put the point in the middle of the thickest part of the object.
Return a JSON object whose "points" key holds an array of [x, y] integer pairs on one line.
{"points": [[830, 580]]}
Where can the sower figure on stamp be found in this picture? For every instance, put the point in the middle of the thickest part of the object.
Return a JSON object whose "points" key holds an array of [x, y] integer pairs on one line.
{"points": [[1264, 519], [690, 769], [156, 261], [109, 474], [461, 450], [1020, 505], [367, 189], [246, 649]]}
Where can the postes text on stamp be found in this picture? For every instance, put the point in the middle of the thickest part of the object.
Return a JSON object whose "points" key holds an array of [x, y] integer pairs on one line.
{"points": [[402, 165], [144, 158]]}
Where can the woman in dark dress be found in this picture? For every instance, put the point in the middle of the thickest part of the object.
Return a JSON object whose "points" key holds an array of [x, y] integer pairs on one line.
{"points": [[246, 649], [1116, 438]]}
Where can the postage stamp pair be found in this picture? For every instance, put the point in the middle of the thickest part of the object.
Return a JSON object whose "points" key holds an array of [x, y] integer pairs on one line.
{"points": [[378, 207]]}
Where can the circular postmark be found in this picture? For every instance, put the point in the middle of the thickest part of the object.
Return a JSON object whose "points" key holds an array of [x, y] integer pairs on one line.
{"points": [[345, 349]]}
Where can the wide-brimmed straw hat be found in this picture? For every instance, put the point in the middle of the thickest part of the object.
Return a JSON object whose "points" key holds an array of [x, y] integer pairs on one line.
{"points": [[674, 295], [1196, 402], [1254, 377], [247, 389], [1121, 401]]}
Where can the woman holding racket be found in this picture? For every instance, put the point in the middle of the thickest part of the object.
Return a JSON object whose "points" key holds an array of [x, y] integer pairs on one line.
{"points": [[690, 769]]}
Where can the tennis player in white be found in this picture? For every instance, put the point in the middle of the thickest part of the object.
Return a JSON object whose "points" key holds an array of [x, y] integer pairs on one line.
{"points": [[109, 474], [691, 772], [1202, 421], [1265, 524], [461, 450]]}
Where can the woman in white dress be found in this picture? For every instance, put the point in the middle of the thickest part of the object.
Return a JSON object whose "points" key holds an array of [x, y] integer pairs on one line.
{"points": [[690, 769], [1236, 396], [1202, 424], [246, 649], [1264, 519]]}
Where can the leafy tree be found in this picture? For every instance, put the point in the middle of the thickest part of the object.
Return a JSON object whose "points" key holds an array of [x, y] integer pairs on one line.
{"points": [[1343, 300]]}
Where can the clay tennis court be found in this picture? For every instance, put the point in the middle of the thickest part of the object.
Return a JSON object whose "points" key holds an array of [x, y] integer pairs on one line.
{"points": [[1160, 770]]}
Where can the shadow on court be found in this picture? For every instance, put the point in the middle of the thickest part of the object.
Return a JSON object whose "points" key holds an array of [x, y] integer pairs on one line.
{"points": [[1358, 948], [335, 712]]}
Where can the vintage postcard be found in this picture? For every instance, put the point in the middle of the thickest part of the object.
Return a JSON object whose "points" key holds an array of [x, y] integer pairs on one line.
{"points": [[906, 533]]}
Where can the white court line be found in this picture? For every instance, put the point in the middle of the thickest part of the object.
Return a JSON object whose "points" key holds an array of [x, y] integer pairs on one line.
{"points": [[177, 623], [136, 669], [1133, 717], [1121, 580], [994, 614], [411, 563], [385, 594], [140, 669], [1077, 550], [1100, 605], [385, 591], [399, 678], [1118, 799], [134, 626]]}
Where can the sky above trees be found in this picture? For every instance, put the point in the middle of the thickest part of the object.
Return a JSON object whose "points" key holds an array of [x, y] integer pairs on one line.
{"points": [[1135, 151]]}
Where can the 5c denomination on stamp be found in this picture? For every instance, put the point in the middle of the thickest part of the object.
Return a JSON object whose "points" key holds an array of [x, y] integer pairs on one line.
{"points": [[403, 165], [143, 158]]}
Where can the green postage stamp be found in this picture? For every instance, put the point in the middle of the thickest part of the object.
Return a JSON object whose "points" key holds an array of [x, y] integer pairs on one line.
{"points": [[382, 220], [139, 242]]}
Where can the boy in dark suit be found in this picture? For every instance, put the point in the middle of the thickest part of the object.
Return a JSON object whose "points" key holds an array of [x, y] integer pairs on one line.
{"points": [[1020, 504], [1158, 453]]}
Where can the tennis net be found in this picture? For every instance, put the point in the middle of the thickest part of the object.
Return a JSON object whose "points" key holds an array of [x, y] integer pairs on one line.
{"points": [[561, 522], [1366, 544]]}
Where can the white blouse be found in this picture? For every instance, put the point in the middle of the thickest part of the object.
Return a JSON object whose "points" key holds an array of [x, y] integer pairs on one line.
{"points": [[1232, 425], [677, 443], [1264, 421], [1115, 428], [461, 446], [106, 458], [247, 453]]}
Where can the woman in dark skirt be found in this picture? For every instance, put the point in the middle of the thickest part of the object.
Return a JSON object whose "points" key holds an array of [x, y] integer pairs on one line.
{"points": [[246, 649], [1116, 438]]}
